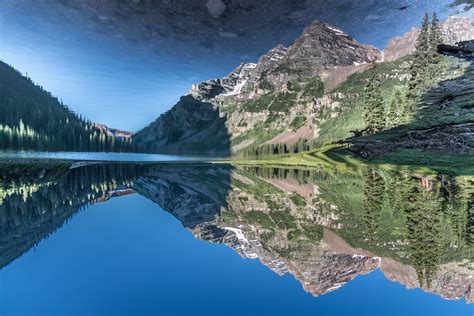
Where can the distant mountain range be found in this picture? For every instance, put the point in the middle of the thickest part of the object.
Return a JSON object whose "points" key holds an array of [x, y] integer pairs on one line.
{"points": [[113, 131]]}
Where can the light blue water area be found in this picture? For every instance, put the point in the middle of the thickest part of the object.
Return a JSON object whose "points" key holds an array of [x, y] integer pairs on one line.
{"points": [[129, 257], [98, 156]]}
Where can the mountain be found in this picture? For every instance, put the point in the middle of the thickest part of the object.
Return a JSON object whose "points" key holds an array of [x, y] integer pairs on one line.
{"points": [[307, 95], [455, 29], [228, 114], [33, 119], [191, 126], [320, 47], [113, 131]]}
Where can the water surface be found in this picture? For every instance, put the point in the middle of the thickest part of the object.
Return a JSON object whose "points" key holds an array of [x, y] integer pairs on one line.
{"points": [[134, 239], [98, 156]]}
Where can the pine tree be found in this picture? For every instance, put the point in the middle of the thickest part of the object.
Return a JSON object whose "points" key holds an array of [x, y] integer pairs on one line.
{"points": [[455, 207], [465, 199], [393, 110], [470, 223], [423, 222], [398, 110], [421, 56], [434, 42], [374, 108], [425, 67], [404, 111], [374, 198]]}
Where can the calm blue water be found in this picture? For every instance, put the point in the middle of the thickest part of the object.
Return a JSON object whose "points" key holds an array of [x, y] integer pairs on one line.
{"points": [[127, 256], [98, 156]]}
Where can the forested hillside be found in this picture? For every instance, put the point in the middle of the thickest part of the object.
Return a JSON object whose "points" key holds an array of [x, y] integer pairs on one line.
{"points": [[38, 198], [33, 119], [430, 108]]}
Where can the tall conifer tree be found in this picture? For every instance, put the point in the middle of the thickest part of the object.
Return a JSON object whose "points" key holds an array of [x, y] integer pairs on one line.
{"points": [[374, 108]]}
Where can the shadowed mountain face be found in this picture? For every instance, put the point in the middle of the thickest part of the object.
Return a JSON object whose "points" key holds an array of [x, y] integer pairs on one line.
{"points": [[191, 126], [324, 227]]}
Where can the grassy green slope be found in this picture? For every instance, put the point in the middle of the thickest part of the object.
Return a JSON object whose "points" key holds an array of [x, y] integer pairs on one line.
{"points": [[350, 117]]}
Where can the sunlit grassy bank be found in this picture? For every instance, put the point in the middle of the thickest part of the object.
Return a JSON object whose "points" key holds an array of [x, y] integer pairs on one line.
{"points": [[337, 156]]}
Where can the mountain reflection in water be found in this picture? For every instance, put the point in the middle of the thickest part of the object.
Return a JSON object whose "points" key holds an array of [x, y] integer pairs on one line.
{"points": [[323, 226]]}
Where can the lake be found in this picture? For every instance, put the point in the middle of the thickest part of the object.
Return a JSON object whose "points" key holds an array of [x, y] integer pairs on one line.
{"points": [[127, 238], [97, 156]]}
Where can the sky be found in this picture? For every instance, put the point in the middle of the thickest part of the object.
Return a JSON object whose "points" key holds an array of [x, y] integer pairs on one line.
{"points": [[123, 63]]}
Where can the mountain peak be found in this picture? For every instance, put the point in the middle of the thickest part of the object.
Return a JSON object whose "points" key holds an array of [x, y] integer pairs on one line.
{"points": [[319, 26], [321, 46], [325, 45]]}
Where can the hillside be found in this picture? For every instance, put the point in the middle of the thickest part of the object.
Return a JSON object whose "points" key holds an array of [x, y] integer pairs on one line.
{"points": [[33, 119], [294, 98]]}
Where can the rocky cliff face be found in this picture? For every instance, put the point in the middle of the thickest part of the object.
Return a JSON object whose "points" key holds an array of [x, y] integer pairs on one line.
{"points": [[320, 46], [242, 82], [231, 84], [455, 29], [267, 64], [401, 46]]}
